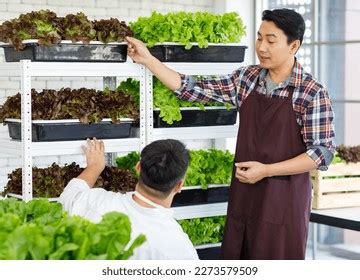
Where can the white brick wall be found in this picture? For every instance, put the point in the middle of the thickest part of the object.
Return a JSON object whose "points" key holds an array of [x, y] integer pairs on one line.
{"points": [[95, 9], [42, 162], [33, 1], [68, 159]]}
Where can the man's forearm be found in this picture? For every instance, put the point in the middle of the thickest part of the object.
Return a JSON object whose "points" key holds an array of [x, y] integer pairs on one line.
{"points": [[299, 164], [168, 77], [89, 175]]}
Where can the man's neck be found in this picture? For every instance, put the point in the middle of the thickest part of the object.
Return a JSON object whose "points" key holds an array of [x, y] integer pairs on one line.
{"points": [[279, 75], [163, 202]]}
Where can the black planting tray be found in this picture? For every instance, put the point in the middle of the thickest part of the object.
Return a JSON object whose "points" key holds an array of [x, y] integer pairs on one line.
{"points": [[197, 117], [213, 53], [191, 196], [68, 52], [211, 253], [66, 131]]}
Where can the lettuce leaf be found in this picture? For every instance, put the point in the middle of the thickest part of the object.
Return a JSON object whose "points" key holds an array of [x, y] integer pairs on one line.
{"points": [[186, 28]]}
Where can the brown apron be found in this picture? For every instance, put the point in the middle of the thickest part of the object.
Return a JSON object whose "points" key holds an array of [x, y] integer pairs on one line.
{"points": [[268, 219]]}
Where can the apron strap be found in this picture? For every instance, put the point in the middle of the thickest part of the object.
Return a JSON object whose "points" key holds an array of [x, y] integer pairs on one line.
{"points": [[291, 92], [146, 200]]}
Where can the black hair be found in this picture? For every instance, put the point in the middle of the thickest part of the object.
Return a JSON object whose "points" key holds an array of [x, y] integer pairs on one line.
{"points": [[163, 164], [289, 21]]}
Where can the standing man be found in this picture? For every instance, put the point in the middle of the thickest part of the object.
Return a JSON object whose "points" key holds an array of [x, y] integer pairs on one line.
{"points": [[286, 130]]}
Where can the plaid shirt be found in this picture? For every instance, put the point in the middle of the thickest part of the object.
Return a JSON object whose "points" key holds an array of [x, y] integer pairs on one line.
{"points": [[311, 102]]}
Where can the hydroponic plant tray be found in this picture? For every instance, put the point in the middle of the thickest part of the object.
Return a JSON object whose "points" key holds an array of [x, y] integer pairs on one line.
{"points": [[211, 116], [173, 52], [67, 51], [209, 253], [63, 130], [196, 195]]}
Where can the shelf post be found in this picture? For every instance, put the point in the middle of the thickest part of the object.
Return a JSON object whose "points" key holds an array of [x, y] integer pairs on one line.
{"points": [[26, 129], [110, 83], [149, 106]]}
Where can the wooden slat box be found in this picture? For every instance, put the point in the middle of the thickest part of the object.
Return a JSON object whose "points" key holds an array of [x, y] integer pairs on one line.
{"points": [[330, 192]]}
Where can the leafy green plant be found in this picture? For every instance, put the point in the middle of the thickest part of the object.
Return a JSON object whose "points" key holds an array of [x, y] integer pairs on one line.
{"points": [[111, 30], [39, 230], [164, 99], [42, 25], [50, 182], [185, 28], [87, 105], [50, 29], [204, 230], [348, 153], [77, 28], [337, 159], [209, 167], [128, 162]]}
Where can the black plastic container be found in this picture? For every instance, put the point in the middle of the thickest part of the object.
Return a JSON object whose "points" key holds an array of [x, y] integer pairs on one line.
{"points": [[211, 253], [68, 52], [189, 197], [65, 131], [197, 117], [213, 53]]}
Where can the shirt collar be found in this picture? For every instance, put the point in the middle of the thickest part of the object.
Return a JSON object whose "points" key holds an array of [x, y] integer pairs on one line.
{"points": [[294, 80]]}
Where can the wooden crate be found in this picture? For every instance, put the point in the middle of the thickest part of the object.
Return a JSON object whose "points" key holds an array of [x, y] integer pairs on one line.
{"points": [[336, 192]]}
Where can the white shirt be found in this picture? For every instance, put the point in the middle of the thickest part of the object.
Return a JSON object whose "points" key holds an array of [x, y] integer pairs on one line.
{"points": [[165, 238]]}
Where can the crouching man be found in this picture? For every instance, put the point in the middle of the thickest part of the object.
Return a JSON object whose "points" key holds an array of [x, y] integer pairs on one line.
{"points": [[162, 170]]}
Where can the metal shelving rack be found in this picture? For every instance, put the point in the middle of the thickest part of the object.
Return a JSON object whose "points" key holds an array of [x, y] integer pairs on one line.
{"points": [[185, 133], [27, 149]]}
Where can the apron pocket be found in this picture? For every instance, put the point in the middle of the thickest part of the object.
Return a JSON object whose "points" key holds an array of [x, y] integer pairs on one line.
{"points": [[272, 200]]}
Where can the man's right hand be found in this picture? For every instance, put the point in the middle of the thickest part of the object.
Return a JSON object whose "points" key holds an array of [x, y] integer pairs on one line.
{"points": [[138, 51], [140, 54]]}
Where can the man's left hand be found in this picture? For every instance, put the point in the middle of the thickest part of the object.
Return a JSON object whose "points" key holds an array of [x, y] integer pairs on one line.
{"points": [[250, 172], [95, 156]]}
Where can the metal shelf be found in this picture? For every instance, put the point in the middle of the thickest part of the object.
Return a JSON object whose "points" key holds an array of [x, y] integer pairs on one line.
{"points": [[25, 148], [18, 196], [68, 147], [206, 246], [74, 69], [10, 69], [203, 132], [200, 211]]}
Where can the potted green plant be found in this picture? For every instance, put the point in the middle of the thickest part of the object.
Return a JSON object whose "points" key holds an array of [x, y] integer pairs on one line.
{"points": [[50, 182], [169, 111], [206, 234], [73, 114], [192, 37], [43, 36]]}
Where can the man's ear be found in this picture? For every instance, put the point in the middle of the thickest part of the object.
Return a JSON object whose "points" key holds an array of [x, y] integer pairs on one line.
{"points": [[179, 186], [137, 167], [295, 46]]}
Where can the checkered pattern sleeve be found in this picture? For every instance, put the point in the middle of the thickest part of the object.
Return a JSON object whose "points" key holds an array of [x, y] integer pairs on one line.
{"points": [[224, 89], [318, 128]]}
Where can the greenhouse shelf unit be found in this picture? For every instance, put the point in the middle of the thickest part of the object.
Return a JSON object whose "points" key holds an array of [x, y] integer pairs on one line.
{"points": [[186, 133], [26, 148]]}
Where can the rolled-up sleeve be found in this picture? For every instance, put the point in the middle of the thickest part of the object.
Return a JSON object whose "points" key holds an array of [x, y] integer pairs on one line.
{"points": [[224, 89], [318, 129]]}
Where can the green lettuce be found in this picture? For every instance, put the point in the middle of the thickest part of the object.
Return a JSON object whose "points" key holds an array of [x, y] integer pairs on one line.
{"points": [[40, 230], [186, 28]]}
